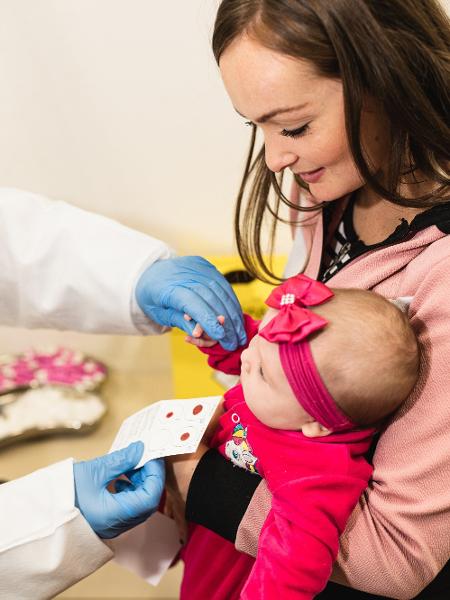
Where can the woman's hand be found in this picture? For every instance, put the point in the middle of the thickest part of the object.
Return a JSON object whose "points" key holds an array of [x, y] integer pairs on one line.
{"points": [[171, 288]]}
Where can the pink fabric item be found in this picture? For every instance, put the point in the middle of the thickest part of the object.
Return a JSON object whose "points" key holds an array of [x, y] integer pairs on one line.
{"points": [[306, 292], [290, 328], [63, 367], [309, 389], [396, 540], [292, 325], [295, 322]]}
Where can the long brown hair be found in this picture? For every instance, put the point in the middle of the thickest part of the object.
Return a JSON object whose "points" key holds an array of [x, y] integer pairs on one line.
{"points": [[395, 51]]}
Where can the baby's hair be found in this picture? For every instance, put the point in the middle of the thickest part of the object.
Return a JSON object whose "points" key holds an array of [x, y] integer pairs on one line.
{"points": [[367, 355]]}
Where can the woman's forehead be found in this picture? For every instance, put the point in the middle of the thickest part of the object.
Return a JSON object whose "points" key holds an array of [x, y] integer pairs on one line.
{"points": [[262, 80]]}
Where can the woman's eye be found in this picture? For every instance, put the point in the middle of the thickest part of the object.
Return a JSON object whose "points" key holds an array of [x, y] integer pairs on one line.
{"points": [[293, 133]]}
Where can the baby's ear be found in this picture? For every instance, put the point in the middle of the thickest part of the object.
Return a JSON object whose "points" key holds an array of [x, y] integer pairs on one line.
{"points": [[314, 429]]}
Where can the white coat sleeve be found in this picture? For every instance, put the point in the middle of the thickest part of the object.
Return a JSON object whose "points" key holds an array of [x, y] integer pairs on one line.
{"points": [[46, 545], [65, 268]]}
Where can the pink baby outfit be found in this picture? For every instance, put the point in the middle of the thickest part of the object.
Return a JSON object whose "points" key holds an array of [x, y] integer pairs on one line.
{"points": [[315, 485]]}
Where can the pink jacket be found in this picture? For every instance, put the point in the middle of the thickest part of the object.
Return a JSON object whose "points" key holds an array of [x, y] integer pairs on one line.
{"points": [[398, 537]]}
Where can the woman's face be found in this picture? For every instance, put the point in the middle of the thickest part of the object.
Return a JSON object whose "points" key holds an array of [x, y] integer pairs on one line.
{"points": [[301, 116]]}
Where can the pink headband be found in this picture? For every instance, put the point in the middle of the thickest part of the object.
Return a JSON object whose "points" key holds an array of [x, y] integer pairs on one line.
{"points": [[290, 328]]}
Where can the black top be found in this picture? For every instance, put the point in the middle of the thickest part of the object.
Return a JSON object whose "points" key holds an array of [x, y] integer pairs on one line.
{"points": [[219, 492]]}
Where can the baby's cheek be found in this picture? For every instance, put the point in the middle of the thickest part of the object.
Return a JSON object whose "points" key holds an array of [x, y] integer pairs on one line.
{"points": [[256, 404], [250, 397]]}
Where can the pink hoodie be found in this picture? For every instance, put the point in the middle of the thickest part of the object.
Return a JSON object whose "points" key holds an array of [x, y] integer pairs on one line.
{"points": [[397, 538]]}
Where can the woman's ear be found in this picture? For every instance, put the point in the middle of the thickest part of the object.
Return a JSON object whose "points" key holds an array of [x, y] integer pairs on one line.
{"points": [[314, 429]]}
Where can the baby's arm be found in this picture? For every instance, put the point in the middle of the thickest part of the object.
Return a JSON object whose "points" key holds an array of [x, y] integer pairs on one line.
{"points": [[225, 360]]}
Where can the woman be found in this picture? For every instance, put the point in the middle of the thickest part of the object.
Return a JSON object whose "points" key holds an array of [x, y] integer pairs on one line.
{"points": [[353, 98]]}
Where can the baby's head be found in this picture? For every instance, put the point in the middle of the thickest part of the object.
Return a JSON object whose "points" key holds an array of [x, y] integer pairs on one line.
{"points": [[358, 360]]}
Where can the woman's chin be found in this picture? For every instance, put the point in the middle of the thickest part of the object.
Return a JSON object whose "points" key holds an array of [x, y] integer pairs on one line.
{"points": [[323, 193]]}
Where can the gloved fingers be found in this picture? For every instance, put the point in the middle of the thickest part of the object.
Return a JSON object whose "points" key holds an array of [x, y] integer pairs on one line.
{"points": [[121, 485], [151, 489], [234, 320], [146, 495], [199, 308], [152, 468], [119, 462], [212, 297], [171, 318], [203, 303], [234, 308], [226, 292], [136, 477], [194, 286], [203, 300]]}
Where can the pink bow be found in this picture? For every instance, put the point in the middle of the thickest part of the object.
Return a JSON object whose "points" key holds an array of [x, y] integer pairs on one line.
{"points": [[295, 322]]}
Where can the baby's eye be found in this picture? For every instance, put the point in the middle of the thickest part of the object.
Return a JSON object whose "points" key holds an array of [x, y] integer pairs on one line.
{"points": [[261, 372]]}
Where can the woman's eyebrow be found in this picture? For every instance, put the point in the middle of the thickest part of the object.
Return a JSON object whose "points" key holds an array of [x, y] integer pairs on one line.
{"points": [[274, 113]]}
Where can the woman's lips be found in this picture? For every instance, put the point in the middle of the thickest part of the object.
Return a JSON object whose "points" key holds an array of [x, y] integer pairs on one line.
{"points": [[312, 176]]}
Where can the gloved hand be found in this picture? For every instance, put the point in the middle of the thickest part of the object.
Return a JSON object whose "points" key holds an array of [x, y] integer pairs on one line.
{"points": [[111, 514], [191, 285]]}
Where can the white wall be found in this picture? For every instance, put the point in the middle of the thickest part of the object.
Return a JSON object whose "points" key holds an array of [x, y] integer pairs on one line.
{"points": [[117, 106]]}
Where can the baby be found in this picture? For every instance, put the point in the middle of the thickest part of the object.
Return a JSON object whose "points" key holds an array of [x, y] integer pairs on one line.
{"points": [[320, 373]]}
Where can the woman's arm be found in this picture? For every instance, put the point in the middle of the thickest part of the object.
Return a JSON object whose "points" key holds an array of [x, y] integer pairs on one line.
{"points": [[397, 538]]}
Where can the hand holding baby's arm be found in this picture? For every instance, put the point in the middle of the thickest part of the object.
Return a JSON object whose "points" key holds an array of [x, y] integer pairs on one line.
{"points": [[199, 338]]}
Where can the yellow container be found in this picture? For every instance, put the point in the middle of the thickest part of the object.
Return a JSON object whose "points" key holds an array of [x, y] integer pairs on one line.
{"points": [[192, 377]]}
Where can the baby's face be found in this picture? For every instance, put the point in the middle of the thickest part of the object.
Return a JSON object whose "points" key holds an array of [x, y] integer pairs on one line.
{"points": [[266, 389]]}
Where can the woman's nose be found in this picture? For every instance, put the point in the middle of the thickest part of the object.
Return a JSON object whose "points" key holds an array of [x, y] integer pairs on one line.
{"points": [[278, 157]]}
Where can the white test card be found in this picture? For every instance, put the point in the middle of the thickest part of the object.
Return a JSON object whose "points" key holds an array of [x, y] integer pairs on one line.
{"points": [[167, 427]]}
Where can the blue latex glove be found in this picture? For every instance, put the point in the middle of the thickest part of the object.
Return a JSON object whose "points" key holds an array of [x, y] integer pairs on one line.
{"points": [[110, 514], [191, 285]]}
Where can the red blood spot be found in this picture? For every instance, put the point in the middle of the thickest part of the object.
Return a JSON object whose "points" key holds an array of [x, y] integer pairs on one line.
{"points": [[184, 436], [197, 409], [169, 414]]}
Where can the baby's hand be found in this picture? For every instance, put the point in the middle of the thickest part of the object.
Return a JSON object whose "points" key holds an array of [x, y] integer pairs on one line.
{"points": [[199, 338]]}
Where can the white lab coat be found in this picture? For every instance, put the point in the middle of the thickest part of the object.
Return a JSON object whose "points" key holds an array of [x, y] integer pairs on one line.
{"points": [[63, 268]]}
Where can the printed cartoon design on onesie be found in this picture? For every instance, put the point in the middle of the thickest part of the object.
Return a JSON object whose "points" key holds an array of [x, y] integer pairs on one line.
{"points": [[238, 449]]}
